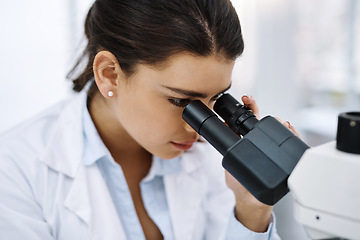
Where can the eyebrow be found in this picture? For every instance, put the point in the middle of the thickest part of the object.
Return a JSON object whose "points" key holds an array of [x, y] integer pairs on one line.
{"points": [[193, 93]]}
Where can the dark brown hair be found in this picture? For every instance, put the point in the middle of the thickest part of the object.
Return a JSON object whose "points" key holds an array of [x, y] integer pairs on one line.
{"points": [[150, 31]]}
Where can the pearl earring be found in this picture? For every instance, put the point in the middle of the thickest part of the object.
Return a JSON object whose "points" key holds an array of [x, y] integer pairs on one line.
{"points": [[110, 93]]}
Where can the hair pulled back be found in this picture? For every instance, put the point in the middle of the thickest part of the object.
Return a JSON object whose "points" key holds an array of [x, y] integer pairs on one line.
{"points": [[150, 31]]}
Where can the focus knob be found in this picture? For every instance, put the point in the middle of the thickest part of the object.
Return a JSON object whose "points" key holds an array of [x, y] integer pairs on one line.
{"points": [[348, 132]]}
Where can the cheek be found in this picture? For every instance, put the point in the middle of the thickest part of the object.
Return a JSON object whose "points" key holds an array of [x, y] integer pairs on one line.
{"points": [[155, 120], [164, 121]]}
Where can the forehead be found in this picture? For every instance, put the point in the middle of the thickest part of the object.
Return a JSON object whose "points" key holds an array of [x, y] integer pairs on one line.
{"points": [[191, 72]]}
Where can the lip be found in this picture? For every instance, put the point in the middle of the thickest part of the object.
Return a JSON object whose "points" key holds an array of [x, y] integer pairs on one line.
{"points": [[183, 145]]}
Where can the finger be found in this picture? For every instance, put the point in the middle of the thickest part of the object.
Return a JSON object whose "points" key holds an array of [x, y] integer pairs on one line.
{"points": [[291, 127], [250, 102], [278, 119]]}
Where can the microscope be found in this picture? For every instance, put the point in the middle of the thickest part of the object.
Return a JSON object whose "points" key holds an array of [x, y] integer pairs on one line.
{"points": [[326, 187], [260, 154], [269, 161]]}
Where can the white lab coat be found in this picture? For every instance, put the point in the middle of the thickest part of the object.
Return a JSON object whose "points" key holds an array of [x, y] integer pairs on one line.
{"points": [[46, 192]]}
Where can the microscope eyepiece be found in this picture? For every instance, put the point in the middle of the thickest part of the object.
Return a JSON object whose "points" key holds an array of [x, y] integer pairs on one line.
{"points": [[196, 113], [206, 123], [239, 118]]}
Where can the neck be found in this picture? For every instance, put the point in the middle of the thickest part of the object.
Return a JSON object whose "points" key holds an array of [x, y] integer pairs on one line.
{"points": [[120, 144]]}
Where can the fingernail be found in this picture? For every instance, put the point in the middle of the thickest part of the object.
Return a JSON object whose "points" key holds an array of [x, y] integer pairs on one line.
{"points": [[247, 96], [288, 124]]}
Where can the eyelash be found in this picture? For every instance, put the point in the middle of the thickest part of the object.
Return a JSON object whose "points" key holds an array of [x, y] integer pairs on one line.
{"points": [[182, 103]]}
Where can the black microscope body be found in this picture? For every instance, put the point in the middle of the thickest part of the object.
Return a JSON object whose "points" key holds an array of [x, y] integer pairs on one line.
{"points": [[260, 154]]}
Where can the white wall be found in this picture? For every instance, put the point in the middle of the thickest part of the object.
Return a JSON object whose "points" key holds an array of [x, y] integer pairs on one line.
{"points": [[36, 51]]}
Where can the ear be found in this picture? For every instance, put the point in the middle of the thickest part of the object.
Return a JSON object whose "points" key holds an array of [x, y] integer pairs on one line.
{"points": [[107, 73]]}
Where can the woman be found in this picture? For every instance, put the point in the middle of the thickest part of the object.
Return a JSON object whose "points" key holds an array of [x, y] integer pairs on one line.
{"points": [[117, 161]]}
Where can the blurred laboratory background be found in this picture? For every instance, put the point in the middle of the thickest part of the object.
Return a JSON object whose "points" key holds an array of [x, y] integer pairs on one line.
{"points": [[301, 63]]}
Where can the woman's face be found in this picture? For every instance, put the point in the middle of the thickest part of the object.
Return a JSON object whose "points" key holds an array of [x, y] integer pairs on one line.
{"points": [[150, 103]]}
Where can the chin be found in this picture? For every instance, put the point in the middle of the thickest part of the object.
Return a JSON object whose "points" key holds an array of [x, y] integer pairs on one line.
{"points": [[169, 155]]}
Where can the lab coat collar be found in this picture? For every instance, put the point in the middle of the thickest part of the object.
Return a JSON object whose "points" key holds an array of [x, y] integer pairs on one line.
{"points": [[64, 151], [94, 147], [185, 191], [65, 154]]}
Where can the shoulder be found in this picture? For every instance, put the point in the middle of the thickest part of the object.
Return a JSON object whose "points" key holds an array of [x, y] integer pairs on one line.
{"points": [[25, 149], [28, 140]]}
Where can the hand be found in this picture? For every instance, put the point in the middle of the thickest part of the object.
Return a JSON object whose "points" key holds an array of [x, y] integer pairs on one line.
{"points": [[252, 213]]}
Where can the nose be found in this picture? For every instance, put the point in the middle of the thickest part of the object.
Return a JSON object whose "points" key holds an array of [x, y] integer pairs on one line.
{"points": [[188, 128], [211, 105], [190, 132]]}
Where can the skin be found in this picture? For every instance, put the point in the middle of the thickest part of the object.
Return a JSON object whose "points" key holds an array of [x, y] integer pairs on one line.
{"points": [[143, 118]]}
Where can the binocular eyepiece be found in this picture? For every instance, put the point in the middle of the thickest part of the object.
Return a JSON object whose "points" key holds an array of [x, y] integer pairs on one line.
{"points": [[262, 159], [238, 117]]}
